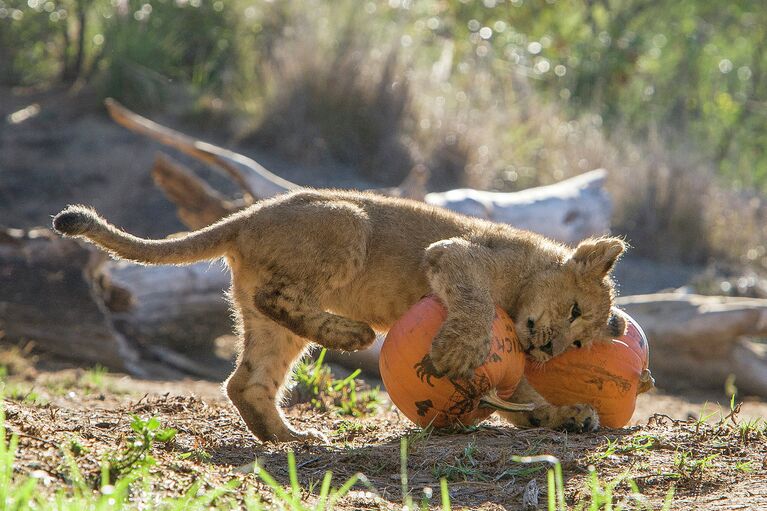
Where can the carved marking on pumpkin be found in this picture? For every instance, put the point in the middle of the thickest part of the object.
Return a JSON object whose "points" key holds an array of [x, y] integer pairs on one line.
{"points": [[603, 376], [506, 344], [468, 393], [425, 370], [423, 407]]}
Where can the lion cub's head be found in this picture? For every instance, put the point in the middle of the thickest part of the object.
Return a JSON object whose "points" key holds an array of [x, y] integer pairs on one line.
{"points": [[569, 306]]}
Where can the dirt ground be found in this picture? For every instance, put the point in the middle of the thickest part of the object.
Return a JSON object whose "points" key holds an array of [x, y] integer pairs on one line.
{"points": [[720, 464]]}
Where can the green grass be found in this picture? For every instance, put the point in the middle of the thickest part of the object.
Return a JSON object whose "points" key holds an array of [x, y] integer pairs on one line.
{"points": [[689, 466], [316, 385], [18, 391], [636, 444], [147, 434], [463, 468], [469, 465], [95, 378], [752, 429], [418, 436], [348, 428]]}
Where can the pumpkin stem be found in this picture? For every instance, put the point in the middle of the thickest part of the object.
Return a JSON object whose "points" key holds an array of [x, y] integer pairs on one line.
{"points": [[646, 381], [492, 400]]}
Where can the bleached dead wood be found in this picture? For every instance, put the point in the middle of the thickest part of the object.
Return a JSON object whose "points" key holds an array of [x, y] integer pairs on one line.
{"points": [[700, 340], [50, 295], [568, 211], [254, 180], [183, 308]]}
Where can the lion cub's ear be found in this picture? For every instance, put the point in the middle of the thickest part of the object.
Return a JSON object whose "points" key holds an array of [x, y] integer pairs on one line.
{"points": [[598, 256]]}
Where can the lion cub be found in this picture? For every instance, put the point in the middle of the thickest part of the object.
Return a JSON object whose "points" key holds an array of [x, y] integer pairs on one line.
{"points": [[329, 267]]}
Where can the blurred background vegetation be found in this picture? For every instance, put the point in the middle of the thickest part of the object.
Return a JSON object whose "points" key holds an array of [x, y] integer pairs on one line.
{"points": [[669, 95]]}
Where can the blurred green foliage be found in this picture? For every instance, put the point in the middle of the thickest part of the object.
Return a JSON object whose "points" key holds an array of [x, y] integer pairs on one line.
{"points": [[149, 44], [692, 71]]}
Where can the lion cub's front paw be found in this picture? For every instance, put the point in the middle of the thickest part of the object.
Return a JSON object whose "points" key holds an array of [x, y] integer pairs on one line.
{"points": [[453, 357], [574, 418]]}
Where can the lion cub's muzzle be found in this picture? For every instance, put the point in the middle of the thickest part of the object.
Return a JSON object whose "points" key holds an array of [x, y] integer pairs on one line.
{"points": [[540, 353]]}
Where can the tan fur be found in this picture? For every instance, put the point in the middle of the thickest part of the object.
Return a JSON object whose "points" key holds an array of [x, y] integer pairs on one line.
{"points": [[328, 266]]}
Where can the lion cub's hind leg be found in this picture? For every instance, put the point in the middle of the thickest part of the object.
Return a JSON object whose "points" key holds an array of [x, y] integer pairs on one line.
{"points": [[294, 306], [263, 368]]}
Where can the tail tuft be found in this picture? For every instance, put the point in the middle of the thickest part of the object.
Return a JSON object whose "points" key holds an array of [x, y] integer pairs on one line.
{"points": [[75, 220]]}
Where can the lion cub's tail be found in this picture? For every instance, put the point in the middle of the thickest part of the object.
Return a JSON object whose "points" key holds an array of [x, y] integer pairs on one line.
{"points": [[208, 243]]}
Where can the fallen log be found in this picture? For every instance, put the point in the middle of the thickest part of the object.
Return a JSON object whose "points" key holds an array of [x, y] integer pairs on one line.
{"points": [[568, 211], [183, 308], [49, 296], [699, 341]]}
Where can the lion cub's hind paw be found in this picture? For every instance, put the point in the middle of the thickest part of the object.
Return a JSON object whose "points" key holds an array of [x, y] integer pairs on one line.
{"points": [[576, 418]]}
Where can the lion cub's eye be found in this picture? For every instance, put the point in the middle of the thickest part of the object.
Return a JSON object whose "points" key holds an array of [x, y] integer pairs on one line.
{"points": [[575, 312]]}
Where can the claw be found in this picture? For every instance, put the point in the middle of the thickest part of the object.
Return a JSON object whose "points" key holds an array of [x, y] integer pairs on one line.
{"points": [[492, 400]]}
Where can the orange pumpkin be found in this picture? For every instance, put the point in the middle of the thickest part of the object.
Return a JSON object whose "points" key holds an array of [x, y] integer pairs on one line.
{"points": [[427, 398], [608, 375]]}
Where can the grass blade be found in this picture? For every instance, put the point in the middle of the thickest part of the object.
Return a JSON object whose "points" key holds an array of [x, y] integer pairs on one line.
{"points": [[324, 491], [444, 494], [293, 474], [403, 470]]}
